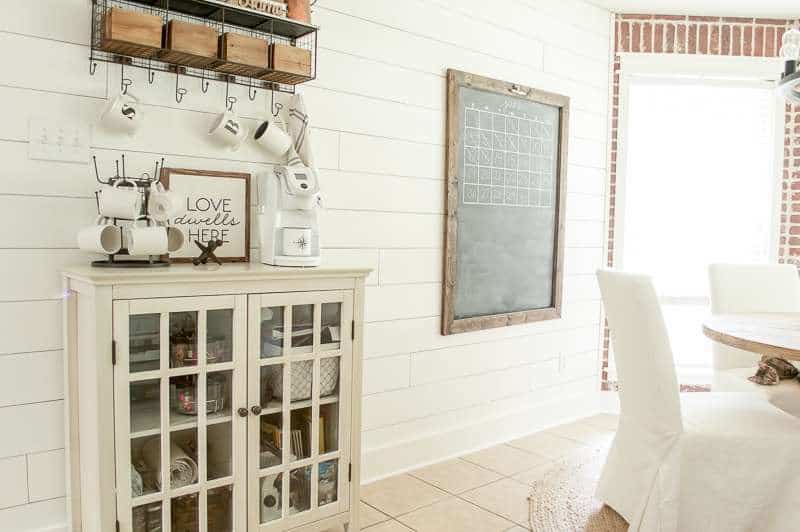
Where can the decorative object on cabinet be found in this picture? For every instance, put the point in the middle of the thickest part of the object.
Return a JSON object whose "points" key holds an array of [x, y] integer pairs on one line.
{"points": [[123, 202], [207, 253], [129, 32], [506, 196], [299, 10], [199, 445], [217, 208]]}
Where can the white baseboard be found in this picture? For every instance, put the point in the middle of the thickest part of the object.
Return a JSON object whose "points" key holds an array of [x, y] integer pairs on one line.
{"points": [[407, 455]]}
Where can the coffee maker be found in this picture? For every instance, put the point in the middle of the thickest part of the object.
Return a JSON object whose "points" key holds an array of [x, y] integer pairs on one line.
{"points": [[288, 216]]}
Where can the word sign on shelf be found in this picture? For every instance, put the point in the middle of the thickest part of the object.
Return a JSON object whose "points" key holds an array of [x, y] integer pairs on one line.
{"points": [[265, 6]]}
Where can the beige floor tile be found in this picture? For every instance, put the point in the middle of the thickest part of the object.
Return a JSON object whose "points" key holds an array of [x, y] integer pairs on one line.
{"points": [[400, 494], [505, 459], [585, 433], [534, 474], [548, 445], [507, 498], [370, 516], [456, 476], [454, 515], [387, 526]]}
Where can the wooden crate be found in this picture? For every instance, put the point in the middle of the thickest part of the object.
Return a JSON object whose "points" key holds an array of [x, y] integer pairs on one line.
{"points": [[288, 64], [242, 55], [193, 45], [133, 33]]}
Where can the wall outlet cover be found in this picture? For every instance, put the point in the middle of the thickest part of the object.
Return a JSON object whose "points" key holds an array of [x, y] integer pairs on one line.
{"points": [[58, 141]]}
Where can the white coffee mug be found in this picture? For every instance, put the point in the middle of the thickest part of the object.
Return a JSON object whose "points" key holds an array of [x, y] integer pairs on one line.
{"points": [[272, 138], [164, 204], [117, 201], [124, 113], [228, 130], [296, 242], [102, 237], [143, 240], [175, 238]]}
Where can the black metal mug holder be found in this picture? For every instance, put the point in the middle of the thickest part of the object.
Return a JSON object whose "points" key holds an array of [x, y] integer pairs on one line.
{"points": [[144, 184]]}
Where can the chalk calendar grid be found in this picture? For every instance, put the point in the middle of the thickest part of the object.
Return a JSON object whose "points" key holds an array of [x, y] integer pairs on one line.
{"points": [[508, 160]]}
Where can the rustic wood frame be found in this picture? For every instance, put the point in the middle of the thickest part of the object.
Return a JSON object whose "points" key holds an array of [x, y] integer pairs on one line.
{"points": [[167, 172], [455, 80]]}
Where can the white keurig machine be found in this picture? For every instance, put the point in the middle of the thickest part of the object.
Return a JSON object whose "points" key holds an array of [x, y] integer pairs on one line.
{"points": [[288, 217]]}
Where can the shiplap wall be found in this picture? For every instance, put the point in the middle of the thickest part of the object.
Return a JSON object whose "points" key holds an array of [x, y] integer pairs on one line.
{"points": [[378, 111]]}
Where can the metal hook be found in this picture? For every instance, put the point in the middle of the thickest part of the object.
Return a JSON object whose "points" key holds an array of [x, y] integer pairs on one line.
{"points": [[229, 100], [275, 107], [92, 67], [180, 92], [151, 75], [252, 92], [124, 82], [204, 83]]}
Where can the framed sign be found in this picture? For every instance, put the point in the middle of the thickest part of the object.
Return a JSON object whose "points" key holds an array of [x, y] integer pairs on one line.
{"points": [[506, 192], [217, 207]]}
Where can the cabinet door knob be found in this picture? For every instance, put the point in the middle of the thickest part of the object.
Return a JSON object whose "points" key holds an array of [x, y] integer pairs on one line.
{"points": [[242, 412], [256, 410]]}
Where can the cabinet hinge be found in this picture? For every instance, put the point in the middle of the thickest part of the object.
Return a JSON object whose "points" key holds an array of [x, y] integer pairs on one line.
{"points": [[117, 526], [353, 330], [113, 352], [350, 472]]}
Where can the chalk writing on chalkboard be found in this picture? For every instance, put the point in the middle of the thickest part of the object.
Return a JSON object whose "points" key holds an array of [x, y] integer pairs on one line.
{"points": [[508, 159]]}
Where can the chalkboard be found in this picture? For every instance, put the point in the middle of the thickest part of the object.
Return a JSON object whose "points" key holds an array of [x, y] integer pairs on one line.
{"points": [[506, 183]]}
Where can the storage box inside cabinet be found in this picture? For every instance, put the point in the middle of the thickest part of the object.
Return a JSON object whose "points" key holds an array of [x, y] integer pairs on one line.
{"points": [[242, 55], [190, 44], [131, 32]]}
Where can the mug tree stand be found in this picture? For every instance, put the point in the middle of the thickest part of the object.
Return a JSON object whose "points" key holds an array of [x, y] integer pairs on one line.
{"points": [[143, 183]]}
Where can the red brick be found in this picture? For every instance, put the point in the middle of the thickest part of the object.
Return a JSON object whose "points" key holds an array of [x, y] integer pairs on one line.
{"points": [[669, 44], [758, 42], [647, 37], [691, 39], [770, 50], [680, 41], [738, 20], [747, 41], [772, 21], [636, 32], [702, 39], [636, 16], [704, 19], [736, 40], [623, 40], [713, 47], [725, 41], [670, 17]]}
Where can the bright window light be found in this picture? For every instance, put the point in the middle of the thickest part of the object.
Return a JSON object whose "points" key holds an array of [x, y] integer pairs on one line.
{"points": [[699, 187]]}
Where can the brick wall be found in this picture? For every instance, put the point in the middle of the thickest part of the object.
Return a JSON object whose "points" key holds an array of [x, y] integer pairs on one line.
{"points": [[751, 37]]}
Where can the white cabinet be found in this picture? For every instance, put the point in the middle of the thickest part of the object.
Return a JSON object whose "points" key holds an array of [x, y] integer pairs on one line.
{"points": [[202, 401]]}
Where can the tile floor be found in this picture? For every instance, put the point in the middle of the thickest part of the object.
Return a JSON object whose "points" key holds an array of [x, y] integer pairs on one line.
{"points": [[484, 491]]}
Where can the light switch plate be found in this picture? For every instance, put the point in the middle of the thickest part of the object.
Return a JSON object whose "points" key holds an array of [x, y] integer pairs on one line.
{"points": [[58, 141]]}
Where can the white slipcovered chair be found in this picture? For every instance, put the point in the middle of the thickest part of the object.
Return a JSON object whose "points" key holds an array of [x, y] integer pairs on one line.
{"points": [[752, 289], [701, 462]]}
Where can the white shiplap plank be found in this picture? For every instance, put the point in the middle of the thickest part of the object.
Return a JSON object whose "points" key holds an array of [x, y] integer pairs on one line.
{"points": [[375, 192], [349, 229], [35, 274], [375, 155], [362, 258], [31, 378], [37, 427], [44, 222], [27, 326], [411, 266], [46, 472], [385, 374], [393, 302], [60, 20], [14, 486], [50, 516]]}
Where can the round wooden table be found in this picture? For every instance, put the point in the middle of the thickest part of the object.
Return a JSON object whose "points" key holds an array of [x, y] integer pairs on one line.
{"points": [[776, 335]]}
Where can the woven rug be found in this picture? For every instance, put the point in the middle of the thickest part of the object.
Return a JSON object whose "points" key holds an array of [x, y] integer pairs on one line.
{"points": [[563, 500]]}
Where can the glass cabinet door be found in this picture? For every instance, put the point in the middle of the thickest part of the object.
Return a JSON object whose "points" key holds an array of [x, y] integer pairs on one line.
{"points": [[299, 385], [180, 379]]}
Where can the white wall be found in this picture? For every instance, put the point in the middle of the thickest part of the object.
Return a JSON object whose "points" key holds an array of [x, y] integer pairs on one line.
{"points": [[378, 110]]}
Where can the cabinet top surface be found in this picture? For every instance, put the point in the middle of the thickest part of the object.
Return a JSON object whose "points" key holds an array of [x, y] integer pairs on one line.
{"points": [[186, 273]]}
